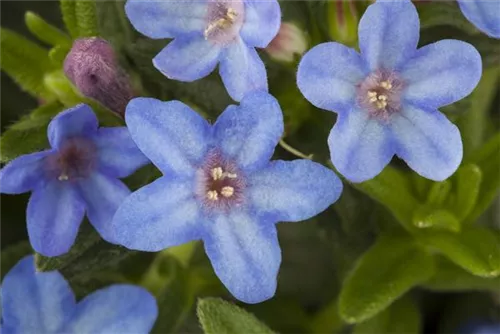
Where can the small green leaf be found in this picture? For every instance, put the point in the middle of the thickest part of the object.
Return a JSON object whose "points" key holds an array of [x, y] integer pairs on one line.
{"points": [[117, 31], [384, 273], [474, 249], [401, 317], [220, 317], [450, 277], [58, 54], [12, 254], [468, 182], [86, 18], [436, 219], [438, 193], [69, 17], [44, 31]]}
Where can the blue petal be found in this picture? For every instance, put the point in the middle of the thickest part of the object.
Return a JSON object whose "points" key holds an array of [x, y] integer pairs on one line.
{"points": [[188, 58], [428, 142], [74, 122], [359, 145], [293, 190], [55, 211], [242, 70], [102, 195], [388, 33], [119, 308], [171, 134], [35, 302], [262, 22], [442, 73], [23, 174], [167, 19], [245, 255], [117, 154], [484, 14], [249, 133], [328, 75], [162, 214]]}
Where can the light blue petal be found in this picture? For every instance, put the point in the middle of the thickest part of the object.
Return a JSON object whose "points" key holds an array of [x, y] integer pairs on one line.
{"points": [[170, 134], [35, 302], [102, 195], [55, 211], [428, 142], [188, 58], [120, 308], [293, 190], [162, 214], [248, 134], [388, 33], [117, 154], [328, 75], [23, 174], [245, 255], [167, 18], [242, 70], [359, 145], [484, 14], [442, 73], [262, 22], [74, 122]]}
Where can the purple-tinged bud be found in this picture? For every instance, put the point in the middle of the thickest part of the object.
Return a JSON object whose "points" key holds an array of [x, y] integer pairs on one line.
{"points": [[289, 41], [343, 21], [93, 68]]}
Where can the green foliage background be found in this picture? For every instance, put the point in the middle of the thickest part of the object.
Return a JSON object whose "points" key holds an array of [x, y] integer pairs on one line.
{"points": [[396, 254]]}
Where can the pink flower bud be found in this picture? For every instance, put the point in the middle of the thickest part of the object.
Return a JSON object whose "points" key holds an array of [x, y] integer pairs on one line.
{"points": [[289, 41], [92, 67]]}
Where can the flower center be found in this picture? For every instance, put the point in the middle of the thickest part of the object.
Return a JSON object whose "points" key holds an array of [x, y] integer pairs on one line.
{"points": [[220, 184], [224, 20], [74, 160], [380, 93]]}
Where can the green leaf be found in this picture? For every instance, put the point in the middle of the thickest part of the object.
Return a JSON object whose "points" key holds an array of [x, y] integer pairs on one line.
{"points": [[450, 277], [438, 193], [12, 254], [220, 317], [44, 31], [117, 31], [384, 273], [29, 134], [436, 219], [25, 62], [468, 182], [69, 17], [474, 249], [401, 317], [86, 18], [58, 54], [443, 13]]}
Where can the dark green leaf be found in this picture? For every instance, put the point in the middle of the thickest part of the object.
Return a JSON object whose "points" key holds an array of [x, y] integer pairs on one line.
{"points": [[443, 13], [438, 193], [44, 31], [117, 31], [468, 182]]}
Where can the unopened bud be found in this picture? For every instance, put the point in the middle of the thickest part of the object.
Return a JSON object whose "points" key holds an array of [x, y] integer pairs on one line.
{"points": [[343, 21], [93, 68], [289, 41]]}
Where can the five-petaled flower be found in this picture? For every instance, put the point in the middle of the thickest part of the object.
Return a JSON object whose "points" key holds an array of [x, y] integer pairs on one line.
{"points": [[484, 14], [42, 302], [219, 186], [387, 97], [79, 173], [208, 32]]}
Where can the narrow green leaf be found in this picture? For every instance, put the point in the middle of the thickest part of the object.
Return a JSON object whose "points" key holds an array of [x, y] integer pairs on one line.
{"points": [[58, 53], [436, 219], [438, 193], [44, 31], [12, 254], [450, 277], [29, 134], [117, 31], [86, 18], [468, 182], [69, 17], [220, 317], [25, 62], [474, 249], [401, 317], [383, 274]]}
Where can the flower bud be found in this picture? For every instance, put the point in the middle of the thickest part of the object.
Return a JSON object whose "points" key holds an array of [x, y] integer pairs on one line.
{"points": [[289, 41], [92, 67], [343, 21]]}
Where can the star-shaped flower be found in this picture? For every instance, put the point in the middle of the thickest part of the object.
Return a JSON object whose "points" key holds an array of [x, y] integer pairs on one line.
{"points": [[34, 302], [208, 32], [387, 97], [219, 186], [78, 174], [484, 14]]}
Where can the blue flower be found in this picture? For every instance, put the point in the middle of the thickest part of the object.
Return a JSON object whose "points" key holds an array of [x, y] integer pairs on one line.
{"points": [[219, 186], [208, 32], [387, 97], [77, 175], [480, 326], [484, 14], [44, 303]]}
